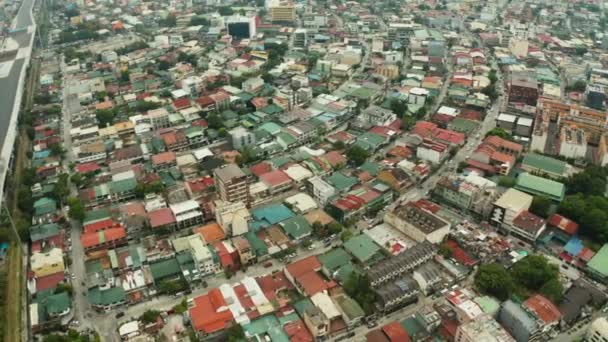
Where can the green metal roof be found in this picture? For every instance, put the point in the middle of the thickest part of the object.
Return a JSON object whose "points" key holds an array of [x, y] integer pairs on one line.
{"points": [[258, 245], [93, 216], [599, 262], [296, 227], [123, 185], [58, 303], [350, 307], [540, 186], [334, 259], [362, 248], [43, 231], [165, 269], [544, 163], [341, 182], [371, 168], [106, 297]]}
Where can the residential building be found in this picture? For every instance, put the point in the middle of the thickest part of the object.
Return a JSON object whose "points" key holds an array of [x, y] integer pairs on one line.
{"points": [[404, 262], [598, 330], [204, 260], [320, 190], [47, 263], [471, 192], [232, 183], [512, 203], [484, 328], [241, 137], [530, 321], [187, 214], [397, 293], [317, 323], [244, 249], [417, 223], [233, 217]]}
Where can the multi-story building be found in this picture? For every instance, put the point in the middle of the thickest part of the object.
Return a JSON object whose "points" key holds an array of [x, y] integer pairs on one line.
{"points": [[404, 262], [320, 190], [201, 254], [282, 11], [472, 192], [47, 263], [598, 330], [523, 90], [233, 217], [483, 328], [531, 321], [572, 142], [241, 27], [417, 223], [397, 293], [232, 183], [512, 203], [241, 137], [187, 214], [376, 116]]}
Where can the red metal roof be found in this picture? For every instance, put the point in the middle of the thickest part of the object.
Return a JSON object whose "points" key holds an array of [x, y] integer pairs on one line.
{"points": [[87, 167], [396, 332], [161, 217], [275, 178], [543, 308], [566, 225], [97, 226], [210, 312], [300, 267], [49, 282]]}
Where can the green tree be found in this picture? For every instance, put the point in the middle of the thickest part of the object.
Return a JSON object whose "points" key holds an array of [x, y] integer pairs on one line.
{"points": [[149, 316], [235, 333], [541, 206], [499, 132], [408, 122], [346, 235], [225, 11], [359, 288], [169, 21], [398, 107], [533, 272], [199, 20], [105, 117], [335, 228], [214, 121], [493, 279], [553, 290], [357, 155], [77, 211], [506, 181]]}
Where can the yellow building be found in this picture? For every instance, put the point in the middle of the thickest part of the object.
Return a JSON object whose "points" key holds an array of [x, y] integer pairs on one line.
{"points": [[283, 12], [47, 263]]}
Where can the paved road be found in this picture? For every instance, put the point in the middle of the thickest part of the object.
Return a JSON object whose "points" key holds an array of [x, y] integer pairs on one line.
{"points": [[10, 84], [107, 325]]}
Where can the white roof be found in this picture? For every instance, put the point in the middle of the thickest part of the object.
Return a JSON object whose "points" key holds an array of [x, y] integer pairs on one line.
{"points": [[234, 305], [202, 153], [419, 91], [514, 199], [322, 301], [184, 206], [302, 202], [185, 159], [507, 117], [298, 173], [254, 291], [448, 111], [525, 122], [128, 328]]}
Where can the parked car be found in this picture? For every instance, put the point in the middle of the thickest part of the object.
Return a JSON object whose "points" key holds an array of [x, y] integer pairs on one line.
{"points": [[268, 264], [119, 315]]}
